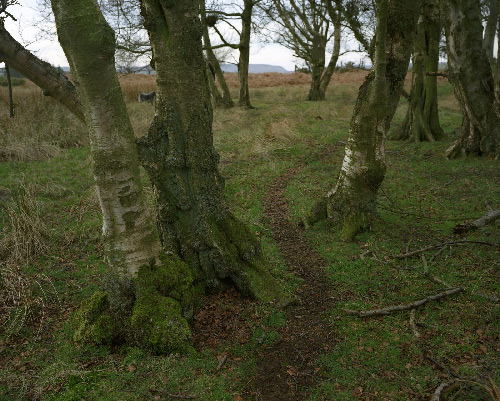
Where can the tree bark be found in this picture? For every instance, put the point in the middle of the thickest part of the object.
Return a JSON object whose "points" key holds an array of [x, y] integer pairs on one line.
{"points": [[491, 30], [317, 68], [244, 48], [52, 82], [11, 97], [352, 202], [194, 221], [225, 101], [142, 302], [330, 69], [470, 73], [422, 119]]}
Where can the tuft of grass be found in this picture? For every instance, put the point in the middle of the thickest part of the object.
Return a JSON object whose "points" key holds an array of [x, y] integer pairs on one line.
{"points": [[26, 235]]}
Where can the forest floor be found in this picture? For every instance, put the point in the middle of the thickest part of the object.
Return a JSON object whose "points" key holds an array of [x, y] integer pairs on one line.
{"points": [[278, 159]]}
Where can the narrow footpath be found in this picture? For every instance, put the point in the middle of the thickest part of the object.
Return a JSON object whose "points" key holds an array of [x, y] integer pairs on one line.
{"points": [[288, 369]]}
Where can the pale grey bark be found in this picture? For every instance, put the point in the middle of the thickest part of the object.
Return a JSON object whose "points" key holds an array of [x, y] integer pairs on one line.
{"points": [[352, 202], [470, 73]]}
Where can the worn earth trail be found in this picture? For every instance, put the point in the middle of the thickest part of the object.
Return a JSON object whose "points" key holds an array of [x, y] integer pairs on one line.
{"points": [[288, 369]]}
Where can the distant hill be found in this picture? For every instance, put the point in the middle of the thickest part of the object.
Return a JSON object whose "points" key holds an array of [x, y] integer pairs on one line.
{"points": [[255, 68]]}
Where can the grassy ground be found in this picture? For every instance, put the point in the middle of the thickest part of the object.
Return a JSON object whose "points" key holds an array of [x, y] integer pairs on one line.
{"points": [[52, 259]]}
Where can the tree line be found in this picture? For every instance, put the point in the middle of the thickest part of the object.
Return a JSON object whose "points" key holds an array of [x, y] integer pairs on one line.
{"points": [[160, 266]]}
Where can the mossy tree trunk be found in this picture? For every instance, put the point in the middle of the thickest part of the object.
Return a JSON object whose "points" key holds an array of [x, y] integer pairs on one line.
{"points": [[244, 49], [352, 202], [491, 29], [194, 221], [317, 63], [11, 97], [223, 100], [422, 119], [470, 74], [145, 293], [52, 81]]}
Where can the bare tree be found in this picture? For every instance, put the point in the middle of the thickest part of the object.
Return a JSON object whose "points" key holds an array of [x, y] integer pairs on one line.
{"points": [[226, 13], [470, 73], [351, 204], [306, 28], [422, 119]]}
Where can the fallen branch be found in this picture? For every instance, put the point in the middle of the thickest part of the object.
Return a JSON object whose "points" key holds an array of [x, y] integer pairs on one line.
{"points": [[397, 308], [488, 218], [221, 362], [437, 394], [431, 276], [413, 325], [413, 253], [491, 298]]}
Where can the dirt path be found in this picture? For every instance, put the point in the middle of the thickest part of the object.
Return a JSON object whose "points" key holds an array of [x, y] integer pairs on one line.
{"points": [[288, 368]]}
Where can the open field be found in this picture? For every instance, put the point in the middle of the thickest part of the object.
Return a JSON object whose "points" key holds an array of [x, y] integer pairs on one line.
{"points": [[51, 258]]}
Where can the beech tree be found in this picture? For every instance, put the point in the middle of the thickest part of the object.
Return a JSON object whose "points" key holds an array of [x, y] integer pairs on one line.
{"points": [[306, 28], [352, 202], [490, 29], [422, 119], [156, 275], [470, 73]]}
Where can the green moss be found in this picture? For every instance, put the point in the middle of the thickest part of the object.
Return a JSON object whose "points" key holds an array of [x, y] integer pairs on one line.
{"points": [[165, 297], [92, 322], [354, 224], [163, 328]]}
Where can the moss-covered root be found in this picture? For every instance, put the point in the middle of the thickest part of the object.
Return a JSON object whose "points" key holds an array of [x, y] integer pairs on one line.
{"points": [[243, 263], [158, 320]]}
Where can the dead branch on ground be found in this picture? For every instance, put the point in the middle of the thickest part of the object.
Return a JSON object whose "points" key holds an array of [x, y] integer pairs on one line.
{"points": [[397, 308], [428, 248], [488, 218]]}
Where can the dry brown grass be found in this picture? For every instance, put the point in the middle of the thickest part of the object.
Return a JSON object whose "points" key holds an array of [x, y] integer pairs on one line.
{"points": [[25, 235], [40, 128]]}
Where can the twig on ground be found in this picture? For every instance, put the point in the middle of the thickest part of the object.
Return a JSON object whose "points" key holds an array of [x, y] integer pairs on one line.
{"points": [[492, 298], [413, 325], [428, 248], [397, 308], [488, 218], [221, 362], [437, 394], [431, 276], [444, 368]]}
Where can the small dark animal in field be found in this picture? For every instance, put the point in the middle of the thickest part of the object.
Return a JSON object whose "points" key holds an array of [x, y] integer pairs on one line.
{"points": [[146, 97]]}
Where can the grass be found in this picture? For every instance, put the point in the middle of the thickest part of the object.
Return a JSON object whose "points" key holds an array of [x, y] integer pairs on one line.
{"points": [[421, 200]]}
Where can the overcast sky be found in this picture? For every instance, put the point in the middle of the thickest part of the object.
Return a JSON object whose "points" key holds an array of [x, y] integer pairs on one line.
{"points": [[26, 31]]}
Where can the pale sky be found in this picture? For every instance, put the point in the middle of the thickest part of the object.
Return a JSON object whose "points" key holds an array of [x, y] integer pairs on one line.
{"points": [[27, 33]]}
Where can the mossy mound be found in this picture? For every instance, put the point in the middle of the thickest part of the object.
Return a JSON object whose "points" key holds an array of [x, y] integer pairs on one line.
{"points": [[163, 303]]}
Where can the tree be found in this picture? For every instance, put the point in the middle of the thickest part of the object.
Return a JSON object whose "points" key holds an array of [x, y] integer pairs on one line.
{"points": [[422, 119], [352, 202], [469, 72], [306, 28], [491, 29], [221, 100], [156, 275], [244, 13]]}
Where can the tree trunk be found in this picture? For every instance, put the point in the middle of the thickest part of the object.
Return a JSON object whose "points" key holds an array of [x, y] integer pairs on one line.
{"points": [[244, 49], [491, 30], [145, 292], [327, 75], [225, 101], [11, 97], [52, 82], [317, 68], [422, 119], [194, 221], [470, 74], [352, 202]]}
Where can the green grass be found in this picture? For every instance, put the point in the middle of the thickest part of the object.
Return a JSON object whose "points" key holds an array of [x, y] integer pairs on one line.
{"points": [[420, 201]]}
